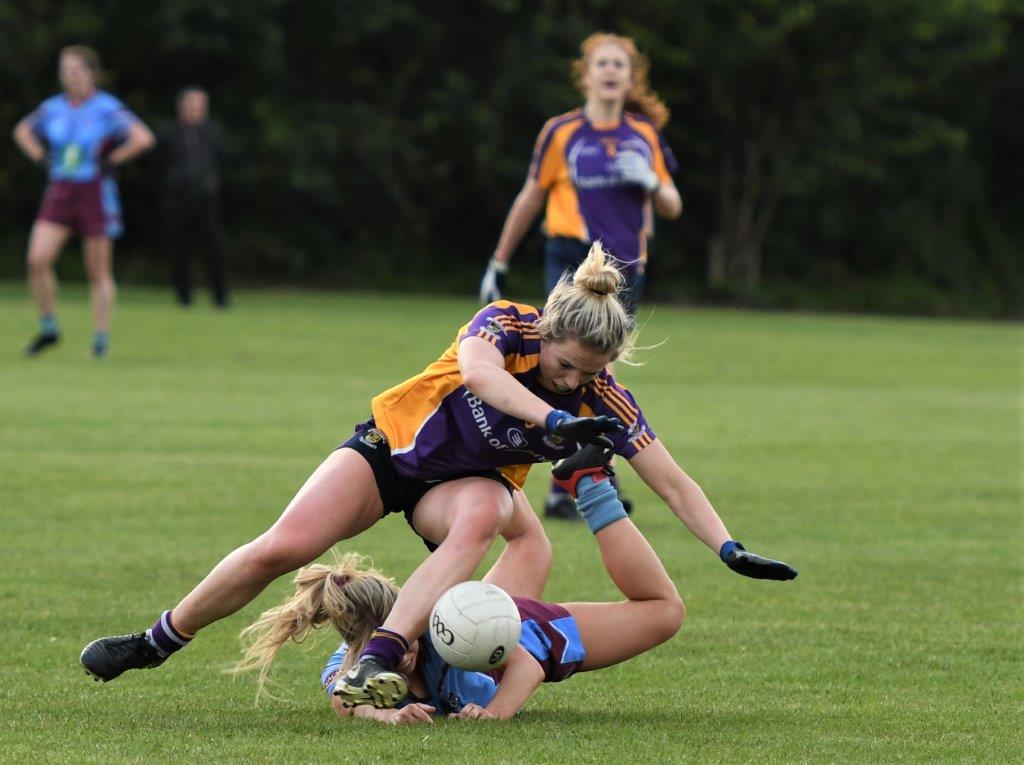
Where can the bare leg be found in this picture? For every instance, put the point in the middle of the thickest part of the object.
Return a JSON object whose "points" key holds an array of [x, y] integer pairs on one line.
{"points": [[522, 568], [44, 245], [467, 514], [614, 632], [339, 501], [97, 252]]}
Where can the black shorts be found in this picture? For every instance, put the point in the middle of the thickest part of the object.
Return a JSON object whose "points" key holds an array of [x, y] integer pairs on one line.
{"points": [[399, 493]]}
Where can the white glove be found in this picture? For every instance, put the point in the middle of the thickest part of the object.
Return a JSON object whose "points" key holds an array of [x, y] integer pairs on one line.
{"points": [[493, 283], [633, 168]]}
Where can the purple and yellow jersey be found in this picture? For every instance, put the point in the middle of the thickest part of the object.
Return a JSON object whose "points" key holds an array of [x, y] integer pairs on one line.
{"points": [[78, 136], [573, 160], [436, 428]]}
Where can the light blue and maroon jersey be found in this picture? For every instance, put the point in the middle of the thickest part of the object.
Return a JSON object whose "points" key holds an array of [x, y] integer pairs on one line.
{"points": [[436, 428], [78, 136], [449, 689], [573, 160], [549, 634]]}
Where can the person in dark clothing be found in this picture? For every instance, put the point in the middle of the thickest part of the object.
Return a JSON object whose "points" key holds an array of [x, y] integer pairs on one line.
{"points": [[190, 154]]}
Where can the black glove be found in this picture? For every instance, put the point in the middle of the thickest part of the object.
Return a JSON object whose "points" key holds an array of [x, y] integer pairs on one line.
{"points": [[739, 560], [592, 459], [584, 430]]}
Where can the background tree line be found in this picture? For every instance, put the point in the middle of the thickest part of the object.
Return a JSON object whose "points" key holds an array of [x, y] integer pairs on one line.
{"points": [[855, 154]]}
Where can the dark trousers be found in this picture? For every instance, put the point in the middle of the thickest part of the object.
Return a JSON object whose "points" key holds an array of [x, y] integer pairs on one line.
{"points": [[193, 222], [562, 255]]}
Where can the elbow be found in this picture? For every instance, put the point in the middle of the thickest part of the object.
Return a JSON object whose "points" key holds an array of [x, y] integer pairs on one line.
{"points": [[473, 378], [673, 210]]}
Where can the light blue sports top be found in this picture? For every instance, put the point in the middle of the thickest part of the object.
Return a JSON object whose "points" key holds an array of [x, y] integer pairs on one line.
{"points": [[78, 136]]}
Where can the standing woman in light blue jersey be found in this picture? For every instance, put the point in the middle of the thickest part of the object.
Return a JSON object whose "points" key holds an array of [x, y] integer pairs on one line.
{"points": [[80, 137], [596, 171]]}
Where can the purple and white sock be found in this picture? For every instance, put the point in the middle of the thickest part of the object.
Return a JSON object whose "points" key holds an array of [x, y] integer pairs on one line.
{"points": [[388, 646], [165, 638]]}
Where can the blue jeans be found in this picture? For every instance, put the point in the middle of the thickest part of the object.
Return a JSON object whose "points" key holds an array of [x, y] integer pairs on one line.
{"points": [[563, 254]]}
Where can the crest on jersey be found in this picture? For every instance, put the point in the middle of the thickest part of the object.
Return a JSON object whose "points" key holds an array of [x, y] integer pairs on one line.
{"points": [[553, 441], [372, 438], [494, 327], [516, 437]]}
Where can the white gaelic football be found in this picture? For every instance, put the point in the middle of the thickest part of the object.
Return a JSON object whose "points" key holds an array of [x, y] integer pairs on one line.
{"points": [[475, 626]]}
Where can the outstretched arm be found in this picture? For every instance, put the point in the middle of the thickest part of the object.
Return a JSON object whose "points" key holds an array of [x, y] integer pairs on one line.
{"points": [[407, 715], [681, 493], [686, 499], [523, 674]]}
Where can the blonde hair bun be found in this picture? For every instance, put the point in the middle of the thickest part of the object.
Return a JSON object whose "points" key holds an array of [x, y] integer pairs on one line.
{"points": [[597, 274], [585, 306]]}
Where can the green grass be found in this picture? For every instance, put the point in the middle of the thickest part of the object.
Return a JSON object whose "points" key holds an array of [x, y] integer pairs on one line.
{"points": [[881, 457]]}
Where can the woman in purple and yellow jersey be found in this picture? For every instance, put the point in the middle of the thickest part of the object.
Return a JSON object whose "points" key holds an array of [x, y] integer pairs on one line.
{"points": [[596, 171], [79, 136], [449, 448]]}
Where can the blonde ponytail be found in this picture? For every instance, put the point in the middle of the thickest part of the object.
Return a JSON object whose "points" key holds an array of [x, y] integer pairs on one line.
{"points": [[584, 306], [350, 595]]}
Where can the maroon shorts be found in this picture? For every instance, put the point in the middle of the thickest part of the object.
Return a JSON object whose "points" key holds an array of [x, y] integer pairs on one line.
{"points": [[92, 208], [551, 636]]}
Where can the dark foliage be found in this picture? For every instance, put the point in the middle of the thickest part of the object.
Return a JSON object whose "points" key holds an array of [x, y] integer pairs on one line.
{"points": [[839, 154]]}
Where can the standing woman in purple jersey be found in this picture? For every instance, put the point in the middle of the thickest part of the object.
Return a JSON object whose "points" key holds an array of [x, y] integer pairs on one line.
{"points": [[596, 171], [450, 448], [80, 137]]}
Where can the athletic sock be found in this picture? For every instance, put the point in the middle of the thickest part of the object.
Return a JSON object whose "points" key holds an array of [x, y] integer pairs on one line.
{"points": [[48, 325], [387, 646], [100, 342], [165, 638], [598, 502]]}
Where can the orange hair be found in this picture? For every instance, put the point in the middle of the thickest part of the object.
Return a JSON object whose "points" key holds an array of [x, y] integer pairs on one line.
{"points": [[639, 97]]}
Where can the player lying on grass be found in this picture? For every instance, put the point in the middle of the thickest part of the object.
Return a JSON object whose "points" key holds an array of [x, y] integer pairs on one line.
{"points": [[557, 640], [448, 448]]}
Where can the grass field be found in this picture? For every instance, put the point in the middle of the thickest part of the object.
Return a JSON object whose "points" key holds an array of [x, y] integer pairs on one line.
{"points": [[880, 457]]}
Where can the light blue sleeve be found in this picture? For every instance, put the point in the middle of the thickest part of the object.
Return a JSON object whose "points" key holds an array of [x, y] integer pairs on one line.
{"points": [[120, 117], [332, 669]]}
